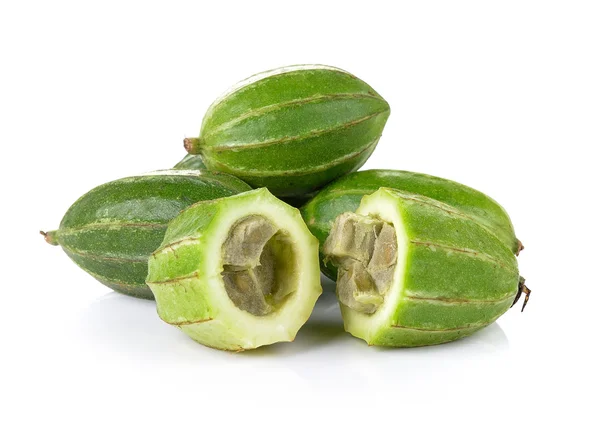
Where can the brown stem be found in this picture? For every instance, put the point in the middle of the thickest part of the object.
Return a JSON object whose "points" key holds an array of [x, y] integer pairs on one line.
{"points": [[192, 145], [49, 237], [522, 290], [520, 247]]}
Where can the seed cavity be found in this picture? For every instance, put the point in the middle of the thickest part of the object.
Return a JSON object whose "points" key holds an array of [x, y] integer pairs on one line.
{"points": [[255, 277], [365, 251]]}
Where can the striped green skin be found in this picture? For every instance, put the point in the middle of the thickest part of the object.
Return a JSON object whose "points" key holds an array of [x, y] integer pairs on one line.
{"points": [[194, 162], [293, 129], [185, 274], [190, 162], [344, 195], [111, 231], [455, 276]]}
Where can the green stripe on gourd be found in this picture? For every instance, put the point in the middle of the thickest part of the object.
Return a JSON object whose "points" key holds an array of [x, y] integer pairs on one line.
{"points": [[292, 129], [194, 162], [111, 231], [345, 194], [449, 276], [210, 276]]}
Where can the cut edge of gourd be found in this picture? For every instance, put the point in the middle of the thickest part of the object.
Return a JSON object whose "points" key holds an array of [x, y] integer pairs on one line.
{"points": [[230, 327], [366, 326]]}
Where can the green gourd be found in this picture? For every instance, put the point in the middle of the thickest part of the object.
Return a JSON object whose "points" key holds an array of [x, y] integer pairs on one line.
{"points": [[413, 271], [292, 129], [111, 231], [236, 273]]}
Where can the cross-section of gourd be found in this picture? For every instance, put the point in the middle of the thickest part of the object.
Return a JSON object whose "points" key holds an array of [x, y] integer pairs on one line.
{"points": [[413, 271], [238, 272]]}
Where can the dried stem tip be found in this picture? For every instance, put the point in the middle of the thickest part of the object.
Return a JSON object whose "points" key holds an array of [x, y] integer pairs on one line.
{"points": [[49, 237], [192, 145], [520, 247], [522, 290]]}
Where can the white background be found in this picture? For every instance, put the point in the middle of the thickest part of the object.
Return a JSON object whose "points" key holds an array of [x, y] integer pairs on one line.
{"points": [[502, 96]]}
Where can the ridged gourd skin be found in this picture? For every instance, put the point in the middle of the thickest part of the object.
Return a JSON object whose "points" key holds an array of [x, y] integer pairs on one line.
{"points": [[292, 129], [190, 162], [195, 162], [344, 195], [452, 278], [111, 231], [185, 274]]}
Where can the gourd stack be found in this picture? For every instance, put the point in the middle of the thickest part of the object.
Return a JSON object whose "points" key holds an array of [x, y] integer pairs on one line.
{"points": [[417, 259], [293, 129]]}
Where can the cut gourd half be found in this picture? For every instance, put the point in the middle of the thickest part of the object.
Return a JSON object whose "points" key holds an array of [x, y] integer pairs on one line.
{"points": [[413, 271], [237, 273]]}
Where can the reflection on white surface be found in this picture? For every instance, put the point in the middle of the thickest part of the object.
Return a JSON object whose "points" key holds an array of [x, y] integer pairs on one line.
{"points": [[128, 331]]}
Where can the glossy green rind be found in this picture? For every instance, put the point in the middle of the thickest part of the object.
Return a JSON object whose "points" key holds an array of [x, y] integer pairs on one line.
{"points": [[190, 162], [195, 162], [292, 129], [111, 231], [344, 195], [185, 274], [453, 276]]}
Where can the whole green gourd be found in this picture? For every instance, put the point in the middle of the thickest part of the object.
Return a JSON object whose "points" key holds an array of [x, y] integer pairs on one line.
{"points": [[111, 231], [292, 129]]}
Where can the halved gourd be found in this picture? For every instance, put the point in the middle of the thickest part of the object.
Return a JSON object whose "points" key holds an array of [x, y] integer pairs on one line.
{"points": [[238, 272], [414, 271]]}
